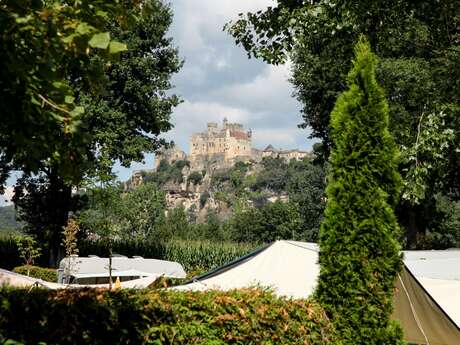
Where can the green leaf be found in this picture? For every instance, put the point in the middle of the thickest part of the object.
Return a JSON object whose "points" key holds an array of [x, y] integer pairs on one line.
{"points": [[117, 47], [77, 111], [102, 14], [58, 84], [69, 99], [84, 28], [100, 40]]}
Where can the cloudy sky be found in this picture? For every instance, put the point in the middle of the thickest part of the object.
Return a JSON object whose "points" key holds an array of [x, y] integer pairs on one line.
{"points": [[218, 80]]}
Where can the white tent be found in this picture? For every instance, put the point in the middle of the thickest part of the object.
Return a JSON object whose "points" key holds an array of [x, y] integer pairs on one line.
{"points": [[427, 293]]}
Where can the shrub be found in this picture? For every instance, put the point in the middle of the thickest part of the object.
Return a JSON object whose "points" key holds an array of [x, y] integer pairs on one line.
{"points": [[157, 317], [359, 253], [195, 177], [204, 198], [46, 274]]}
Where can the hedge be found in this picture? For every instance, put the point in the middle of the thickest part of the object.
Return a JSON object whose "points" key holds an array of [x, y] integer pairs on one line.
{"points": [[193, 255], [88, 316], [46, 274]]}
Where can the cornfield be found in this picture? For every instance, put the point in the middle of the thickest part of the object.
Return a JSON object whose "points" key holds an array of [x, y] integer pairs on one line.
{"points": [[204, 255], [195, 256]]}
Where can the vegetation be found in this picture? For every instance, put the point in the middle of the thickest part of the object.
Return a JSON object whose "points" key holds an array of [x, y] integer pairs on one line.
{"points": [[359, 252], [8, 219], [28, 250], [149, 317], [125, 111], [167, 173], [195, 177], [46, 274], [417, 46], [192, 254], [37, 97]]}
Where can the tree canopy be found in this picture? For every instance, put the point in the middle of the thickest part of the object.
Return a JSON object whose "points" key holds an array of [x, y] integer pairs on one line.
{"points": [[40, 41], [126, 106], [417, 43]]}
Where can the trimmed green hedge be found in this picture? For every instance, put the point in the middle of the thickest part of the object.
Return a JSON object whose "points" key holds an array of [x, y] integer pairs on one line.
{"points": [[158, 317], [46, 274]]}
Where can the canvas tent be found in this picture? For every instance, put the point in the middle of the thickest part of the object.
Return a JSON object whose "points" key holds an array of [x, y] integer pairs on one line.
{"points": [[427, 291], [94, 269]]}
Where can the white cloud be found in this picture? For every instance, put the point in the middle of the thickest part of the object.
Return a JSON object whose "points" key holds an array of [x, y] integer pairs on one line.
{"points": [[269, 91], [191, 117]]}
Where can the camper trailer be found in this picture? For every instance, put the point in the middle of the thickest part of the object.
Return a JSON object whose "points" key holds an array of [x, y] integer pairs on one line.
{"points": [[95, 270]]}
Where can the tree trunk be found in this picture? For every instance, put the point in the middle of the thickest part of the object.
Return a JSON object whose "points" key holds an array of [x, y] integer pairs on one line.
{"points": [[415, 231], [61, 198]]}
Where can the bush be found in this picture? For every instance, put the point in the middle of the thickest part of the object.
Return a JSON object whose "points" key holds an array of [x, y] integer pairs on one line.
{"points": [[158, 317], [195, 177], [46, 274]]}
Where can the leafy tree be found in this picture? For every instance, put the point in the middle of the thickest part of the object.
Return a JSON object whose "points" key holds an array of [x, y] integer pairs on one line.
{"points": [[101, 221], [174, 224], [418, 48], [141, 210], [43, 205], [359, 253], [126, 119], [123, 117], [133, 216], [306, 188], [28, 250], [69, 242], [280, 221], [277, 220], [167, 173], [40, 115], [8, 219], [245, 224], [273, 175]]}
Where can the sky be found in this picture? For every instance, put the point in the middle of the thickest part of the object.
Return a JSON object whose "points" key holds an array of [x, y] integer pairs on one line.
{"points": [[218, 80]]}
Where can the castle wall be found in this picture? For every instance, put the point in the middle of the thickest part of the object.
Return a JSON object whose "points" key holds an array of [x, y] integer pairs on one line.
{"points": [[221, 146], [218, 148]]}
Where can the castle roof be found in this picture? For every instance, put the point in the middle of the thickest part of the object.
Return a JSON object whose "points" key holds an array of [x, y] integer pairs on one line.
{"points": [[269, 148], [239, 135]]}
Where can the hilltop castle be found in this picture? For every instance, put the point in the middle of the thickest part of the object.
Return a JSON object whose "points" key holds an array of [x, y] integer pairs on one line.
{"points": [[222, 147]]}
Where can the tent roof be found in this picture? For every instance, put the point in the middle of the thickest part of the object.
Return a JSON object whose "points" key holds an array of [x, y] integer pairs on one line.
{"points": [[434, 264], [96, 266], [271, 266], [428, 308]]}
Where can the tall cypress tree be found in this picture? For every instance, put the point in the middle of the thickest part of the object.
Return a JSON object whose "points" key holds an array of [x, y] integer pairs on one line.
{"points": [[359, 251]]}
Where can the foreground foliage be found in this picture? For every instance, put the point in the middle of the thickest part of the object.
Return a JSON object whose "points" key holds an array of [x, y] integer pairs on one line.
{"points": [[359, 253], [151, 317]]}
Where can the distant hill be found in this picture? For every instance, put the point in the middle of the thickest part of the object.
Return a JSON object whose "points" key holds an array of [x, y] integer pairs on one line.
{"points": [[8, 218]]}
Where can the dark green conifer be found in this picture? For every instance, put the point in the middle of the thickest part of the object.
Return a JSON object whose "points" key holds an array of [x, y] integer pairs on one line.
{"points": [[359, 251]]}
